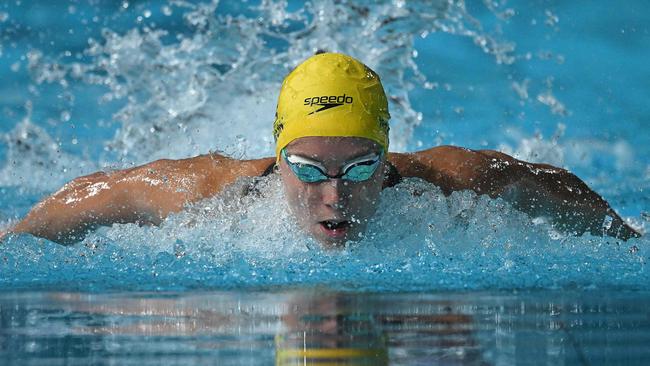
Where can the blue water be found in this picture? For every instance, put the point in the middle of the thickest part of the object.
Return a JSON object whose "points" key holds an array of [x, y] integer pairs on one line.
{"points": [[90, 85], [243, 328]]}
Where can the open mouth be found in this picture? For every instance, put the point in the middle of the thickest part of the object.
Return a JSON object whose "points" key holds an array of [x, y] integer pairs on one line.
{"points": [[335, 229]]}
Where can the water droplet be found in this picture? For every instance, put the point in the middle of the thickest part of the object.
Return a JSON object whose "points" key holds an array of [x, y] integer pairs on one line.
{"points": [[167, 10], [429, 85], [65, 116], [508, 13], [551, 18], [607, 222], [147, 13]]}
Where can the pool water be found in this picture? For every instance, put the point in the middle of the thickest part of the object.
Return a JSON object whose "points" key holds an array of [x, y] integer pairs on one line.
{"points": [[99, 85], [252, 327]]}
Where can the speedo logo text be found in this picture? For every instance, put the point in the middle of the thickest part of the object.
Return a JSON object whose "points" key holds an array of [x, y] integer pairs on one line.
{"points": [[328, 101]]}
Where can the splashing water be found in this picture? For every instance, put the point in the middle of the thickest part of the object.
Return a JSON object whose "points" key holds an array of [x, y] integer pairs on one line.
{"points": [[212, 83], [461, 241], [228, 69]]}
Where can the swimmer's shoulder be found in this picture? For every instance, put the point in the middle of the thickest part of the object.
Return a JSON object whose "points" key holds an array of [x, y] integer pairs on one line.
{"points": [[218, 171], [451, 168], [444, 160], [200, 176]]}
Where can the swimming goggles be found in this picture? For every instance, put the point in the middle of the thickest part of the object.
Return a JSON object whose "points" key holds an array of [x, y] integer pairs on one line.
{"points": [[310, 171]]}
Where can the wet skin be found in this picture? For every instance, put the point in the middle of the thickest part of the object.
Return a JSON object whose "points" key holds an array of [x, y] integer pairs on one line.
{"points": [[149, 193], [317, 206]]}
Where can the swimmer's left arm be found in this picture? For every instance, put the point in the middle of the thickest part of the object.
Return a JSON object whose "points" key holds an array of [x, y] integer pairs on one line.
{"points": [[555, 193], [536, 189]]}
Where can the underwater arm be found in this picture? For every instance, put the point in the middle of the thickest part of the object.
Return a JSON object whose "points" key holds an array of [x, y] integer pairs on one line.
{"points": [[551, 192], [145, 195]]}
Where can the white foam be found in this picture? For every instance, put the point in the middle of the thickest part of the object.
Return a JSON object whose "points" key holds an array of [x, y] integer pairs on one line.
{"points": [[460, 241]]}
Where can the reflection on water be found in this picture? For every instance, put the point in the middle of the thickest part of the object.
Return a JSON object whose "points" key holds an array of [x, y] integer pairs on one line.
{"points": [[321, 327]]}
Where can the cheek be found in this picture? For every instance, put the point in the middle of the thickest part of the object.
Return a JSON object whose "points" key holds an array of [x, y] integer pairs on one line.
{"points": [[298, 195], [372, 188], [364, 197]]}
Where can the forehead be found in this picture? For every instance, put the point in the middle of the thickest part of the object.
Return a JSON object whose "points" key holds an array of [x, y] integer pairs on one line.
{"points": [[332, 148]]}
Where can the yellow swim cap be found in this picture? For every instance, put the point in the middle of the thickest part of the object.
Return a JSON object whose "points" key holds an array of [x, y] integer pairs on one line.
{"points": [[331, 94]]}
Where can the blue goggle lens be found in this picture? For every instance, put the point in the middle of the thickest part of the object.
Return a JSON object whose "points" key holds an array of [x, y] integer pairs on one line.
{"points": [[361, 172], [309, 173]]}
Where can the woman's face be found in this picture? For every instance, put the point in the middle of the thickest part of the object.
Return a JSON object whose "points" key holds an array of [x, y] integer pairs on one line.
{"points": [[334, 210]]}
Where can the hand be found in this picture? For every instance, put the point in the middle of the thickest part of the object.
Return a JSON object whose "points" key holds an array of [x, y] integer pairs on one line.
{"points": [[623, 231]]}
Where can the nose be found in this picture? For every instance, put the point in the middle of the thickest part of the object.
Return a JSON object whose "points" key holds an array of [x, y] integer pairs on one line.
{"points": [[332, 193]]}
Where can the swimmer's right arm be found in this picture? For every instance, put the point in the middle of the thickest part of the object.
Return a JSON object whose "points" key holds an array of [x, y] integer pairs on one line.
{"points": [[80, 205], [144, 195]]}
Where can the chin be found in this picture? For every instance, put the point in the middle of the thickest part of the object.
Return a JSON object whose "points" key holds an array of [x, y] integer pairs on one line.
{"points": [[328, 242], [332, 245]]}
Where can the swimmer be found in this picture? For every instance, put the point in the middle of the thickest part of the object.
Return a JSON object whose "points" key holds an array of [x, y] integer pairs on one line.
{"points": [[331, 133]]}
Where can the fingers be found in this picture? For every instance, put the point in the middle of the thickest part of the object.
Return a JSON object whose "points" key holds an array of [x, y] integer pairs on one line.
{"points": [[630, 233], [623, 231]]}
